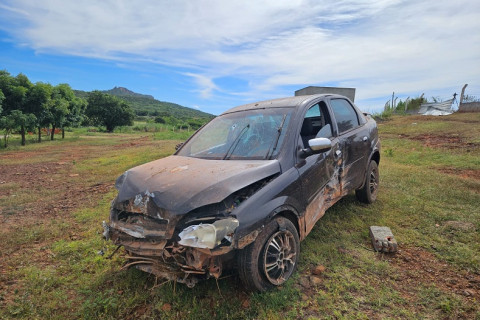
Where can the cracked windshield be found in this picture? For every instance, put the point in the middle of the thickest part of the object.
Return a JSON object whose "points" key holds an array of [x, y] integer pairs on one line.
{"points": [[254, 134]]}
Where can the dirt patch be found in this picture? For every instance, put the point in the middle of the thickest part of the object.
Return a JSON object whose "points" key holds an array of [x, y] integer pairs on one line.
{"points": [[442, 141], [55, 191], [417, 266], [464, 173], [135, 143]]}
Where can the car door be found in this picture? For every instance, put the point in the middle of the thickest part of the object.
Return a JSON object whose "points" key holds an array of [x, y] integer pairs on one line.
{"points": [[319, 173], [353, 143]]}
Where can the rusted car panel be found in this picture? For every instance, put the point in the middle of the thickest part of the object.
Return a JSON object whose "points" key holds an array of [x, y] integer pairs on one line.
{"points": [[189, 216]]}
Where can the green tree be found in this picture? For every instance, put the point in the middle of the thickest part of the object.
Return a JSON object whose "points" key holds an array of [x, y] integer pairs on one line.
{"points": [[107, 110], [62, 103], [7, 125], [76, 114], [5, 80], [16, 91], [38, 103], [17, 120], [2, 97]]}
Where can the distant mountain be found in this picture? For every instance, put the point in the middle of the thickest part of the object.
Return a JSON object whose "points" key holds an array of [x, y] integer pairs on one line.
{"points": [[146, 105], [124, 92]]}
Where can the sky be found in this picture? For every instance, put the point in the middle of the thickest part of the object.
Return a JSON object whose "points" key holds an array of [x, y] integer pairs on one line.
{"points": [[212, 55]]}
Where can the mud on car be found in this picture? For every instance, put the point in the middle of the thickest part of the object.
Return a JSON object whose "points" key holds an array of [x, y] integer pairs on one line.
{"points": [[245, 189]]}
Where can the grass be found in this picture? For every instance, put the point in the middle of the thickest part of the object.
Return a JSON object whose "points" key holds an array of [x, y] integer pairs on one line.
{"points": [[52, 268]]}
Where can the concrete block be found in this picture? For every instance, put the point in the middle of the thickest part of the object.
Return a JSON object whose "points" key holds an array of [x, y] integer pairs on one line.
{"points": [[382, 239]]}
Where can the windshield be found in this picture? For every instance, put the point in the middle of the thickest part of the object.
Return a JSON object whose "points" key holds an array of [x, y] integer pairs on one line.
{"points": [[252, 134]]}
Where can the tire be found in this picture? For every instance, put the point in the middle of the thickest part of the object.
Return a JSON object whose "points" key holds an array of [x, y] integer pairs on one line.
{"points": [[272, 258], [368, 193]]}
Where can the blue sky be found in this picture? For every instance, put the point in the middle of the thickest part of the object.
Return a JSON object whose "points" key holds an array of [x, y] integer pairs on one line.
{"points": [[213, 55]]}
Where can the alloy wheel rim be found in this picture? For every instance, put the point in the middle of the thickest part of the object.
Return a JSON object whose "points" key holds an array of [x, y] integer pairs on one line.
{"points": [[280, 256], [373, 183]]}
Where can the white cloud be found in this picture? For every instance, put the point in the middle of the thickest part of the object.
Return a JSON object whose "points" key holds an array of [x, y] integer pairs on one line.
{"points": [[206, 85], [375, 46]]}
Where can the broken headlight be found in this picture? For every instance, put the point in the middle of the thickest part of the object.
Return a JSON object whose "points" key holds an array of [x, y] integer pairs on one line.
{"points": [[208, 235]]}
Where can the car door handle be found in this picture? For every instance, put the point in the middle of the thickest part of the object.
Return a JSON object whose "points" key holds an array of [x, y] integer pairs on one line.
{"points": [[365, 139], [338, 153]]}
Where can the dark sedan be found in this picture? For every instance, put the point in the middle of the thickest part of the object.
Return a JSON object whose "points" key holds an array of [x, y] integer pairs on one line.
{"points": [[245, 189]]}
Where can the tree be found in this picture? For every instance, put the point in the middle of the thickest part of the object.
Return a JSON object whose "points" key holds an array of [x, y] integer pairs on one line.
{"points": [[15, 90], [107, 110], [17, 120], [76, 114], [2, 97], [38, 103], [61, 102], [7, 125], [5, 80]]}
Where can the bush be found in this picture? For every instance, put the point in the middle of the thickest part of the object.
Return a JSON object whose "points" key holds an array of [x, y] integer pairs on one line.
{"points": [[159, 120]]}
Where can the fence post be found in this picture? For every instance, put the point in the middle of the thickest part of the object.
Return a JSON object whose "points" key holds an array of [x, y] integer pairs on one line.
{"points": [[461, 94], [393, 95]]}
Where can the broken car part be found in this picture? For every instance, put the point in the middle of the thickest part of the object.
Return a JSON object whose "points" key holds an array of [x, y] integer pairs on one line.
{"points": [[208, 235]]}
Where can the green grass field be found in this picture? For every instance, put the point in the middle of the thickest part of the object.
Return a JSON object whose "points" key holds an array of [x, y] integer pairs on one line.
{"points": [[54, 196]]}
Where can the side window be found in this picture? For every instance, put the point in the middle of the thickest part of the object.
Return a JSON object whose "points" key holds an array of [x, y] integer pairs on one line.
{"points": [[345, 115], [313, 112], [316, 123]]}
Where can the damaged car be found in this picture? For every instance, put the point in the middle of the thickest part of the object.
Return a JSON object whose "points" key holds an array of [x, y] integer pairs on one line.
{"points": [[245, 189]]}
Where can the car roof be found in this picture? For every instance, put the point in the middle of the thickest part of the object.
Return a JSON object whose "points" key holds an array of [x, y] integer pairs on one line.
{"points": [[277, 103]]}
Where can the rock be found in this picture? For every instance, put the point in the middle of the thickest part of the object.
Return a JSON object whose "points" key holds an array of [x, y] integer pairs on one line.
{"points": [[318, 270]]}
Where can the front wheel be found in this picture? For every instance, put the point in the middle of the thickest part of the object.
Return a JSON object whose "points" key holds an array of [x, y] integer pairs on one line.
{"points": [[272, 258], [368, 193]]}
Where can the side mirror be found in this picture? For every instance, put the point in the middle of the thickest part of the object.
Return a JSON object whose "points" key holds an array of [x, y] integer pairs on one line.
{"points": [[319, 145]]}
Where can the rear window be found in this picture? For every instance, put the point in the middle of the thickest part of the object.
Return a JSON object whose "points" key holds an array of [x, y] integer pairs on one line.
{"points": [[345, 115]]}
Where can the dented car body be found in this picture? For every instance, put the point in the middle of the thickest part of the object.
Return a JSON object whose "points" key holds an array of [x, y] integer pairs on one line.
{"points": [[245, 189]]}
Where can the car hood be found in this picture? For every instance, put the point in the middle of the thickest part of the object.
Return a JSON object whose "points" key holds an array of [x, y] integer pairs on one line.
{"points": [[180, 184]]}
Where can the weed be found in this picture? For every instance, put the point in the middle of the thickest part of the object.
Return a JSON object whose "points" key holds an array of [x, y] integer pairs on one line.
{"points": [[388, 152]]}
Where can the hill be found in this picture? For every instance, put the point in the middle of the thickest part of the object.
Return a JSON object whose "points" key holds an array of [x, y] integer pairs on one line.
{"points": [[146, 105], [124, 92]]}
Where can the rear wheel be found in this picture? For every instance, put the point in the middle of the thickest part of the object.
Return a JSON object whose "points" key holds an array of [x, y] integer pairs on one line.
{"points": [[272, 258], [368, 193]]}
